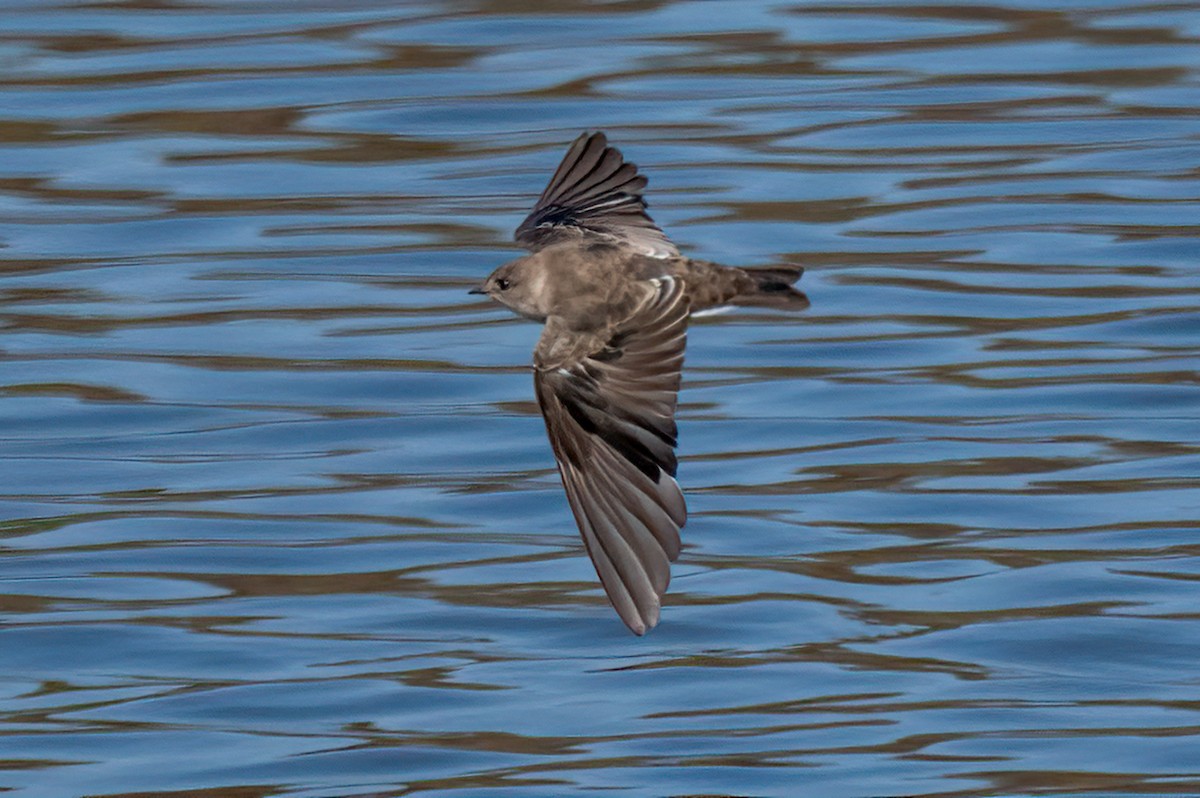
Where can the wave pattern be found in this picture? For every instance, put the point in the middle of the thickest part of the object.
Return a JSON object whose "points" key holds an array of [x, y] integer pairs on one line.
{"points": [[277, 514]]}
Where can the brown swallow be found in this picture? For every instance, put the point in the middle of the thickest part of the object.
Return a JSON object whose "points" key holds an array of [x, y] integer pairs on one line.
{"points": [[615, 294]]}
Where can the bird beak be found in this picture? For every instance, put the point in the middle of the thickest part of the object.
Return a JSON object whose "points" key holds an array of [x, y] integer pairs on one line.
{"points": [[477, 290]]}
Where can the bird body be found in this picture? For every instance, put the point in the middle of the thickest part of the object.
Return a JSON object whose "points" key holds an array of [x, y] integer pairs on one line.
{"points": [[589, 283], [614, 295]]}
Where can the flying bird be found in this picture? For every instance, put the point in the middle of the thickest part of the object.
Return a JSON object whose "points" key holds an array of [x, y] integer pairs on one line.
{"points": [[614, 295]]}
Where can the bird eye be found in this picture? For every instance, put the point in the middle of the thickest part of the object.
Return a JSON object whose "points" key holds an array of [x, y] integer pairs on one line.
{"points": [[502, 284]]}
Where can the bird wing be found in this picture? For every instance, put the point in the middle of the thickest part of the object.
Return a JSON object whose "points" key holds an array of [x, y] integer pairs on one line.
{"points": [[609, 404], [594, 194]]}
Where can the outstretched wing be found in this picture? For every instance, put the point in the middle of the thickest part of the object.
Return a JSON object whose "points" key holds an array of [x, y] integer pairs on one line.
{"points": [[609, 404], [594, 194]]}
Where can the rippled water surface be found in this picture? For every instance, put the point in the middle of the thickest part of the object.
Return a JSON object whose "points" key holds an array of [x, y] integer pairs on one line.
{"points": [[277, 512]]}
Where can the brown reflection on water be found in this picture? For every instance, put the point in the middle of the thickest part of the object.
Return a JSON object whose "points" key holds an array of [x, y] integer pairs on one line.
{"points": [[941, 541]]}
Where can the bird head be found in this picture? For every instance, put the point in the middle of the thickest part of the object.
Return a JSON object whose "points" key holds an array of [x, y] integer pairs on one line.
{"points": [[520, 286]]}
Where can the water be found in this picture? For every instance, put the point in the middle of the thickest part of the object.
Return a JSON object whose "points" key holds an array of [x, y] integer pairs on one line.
{"points": [[279, 516]]}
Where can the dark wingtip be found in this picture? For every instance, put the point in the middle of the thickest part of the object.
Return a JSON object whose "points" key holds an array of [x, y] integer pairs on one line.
{"points": [[643, 622]]}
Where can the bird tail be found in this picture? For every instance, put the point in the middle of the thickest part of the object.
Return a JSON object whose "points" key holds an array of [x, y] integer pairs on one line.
{"points": [[771, 287]]}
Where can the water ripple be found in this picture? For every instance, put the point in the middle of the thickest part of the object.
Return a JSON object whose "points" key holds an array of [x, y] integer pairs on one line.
{"points": [[275, 489]]}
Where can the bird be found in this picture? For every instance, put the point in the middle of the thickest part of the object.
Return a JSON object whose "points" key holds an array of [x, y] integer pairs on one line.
{"points": [[614, 295]]}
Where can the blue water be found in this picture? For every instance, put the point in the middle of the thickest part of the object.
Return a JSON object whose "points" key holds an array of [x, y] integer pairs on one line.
{"points": [[277, 512]]}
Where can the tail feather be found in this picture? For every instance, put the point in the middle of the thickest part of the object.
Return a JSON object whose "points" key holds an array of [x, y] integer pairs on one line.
{"points": [[771, 287], [711, 285]]}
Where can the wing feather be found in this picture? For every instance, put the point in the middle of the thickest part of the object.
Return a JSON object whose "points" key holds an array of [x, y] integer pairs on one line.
{"points": [[610, 417], [594, 194]]}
